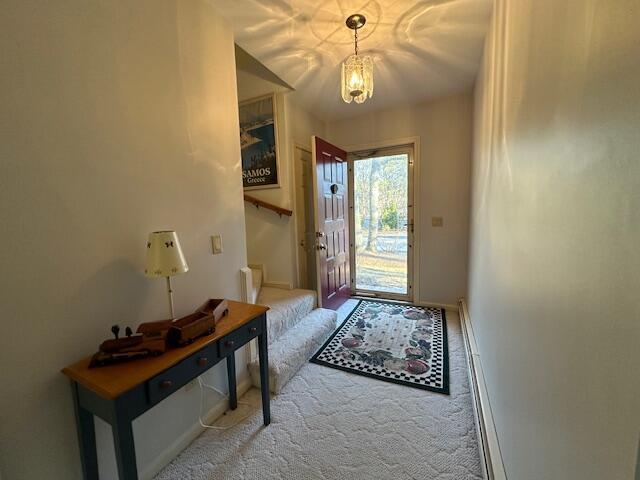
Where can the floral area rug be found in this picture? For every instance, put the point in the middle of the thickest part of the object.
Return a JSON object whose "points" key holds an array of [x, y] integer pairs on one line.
{"points": [[396, 343]]}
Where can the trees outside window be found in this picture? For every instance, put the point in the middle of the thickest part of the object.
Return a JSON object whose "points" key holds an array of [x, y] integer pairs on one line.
{"points": [[380, 216]]}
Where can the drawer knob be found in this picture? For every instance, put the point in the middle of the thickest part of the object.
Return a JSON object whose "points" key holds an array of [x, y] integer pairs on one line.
{"points": [[202, 361], [230, 343], [166, 384], [253, 330]]}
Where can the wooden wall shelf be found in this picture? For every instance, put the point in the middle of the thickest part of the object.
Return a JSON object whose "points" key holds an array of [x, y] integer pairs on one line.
{"points": [[269, 206]]}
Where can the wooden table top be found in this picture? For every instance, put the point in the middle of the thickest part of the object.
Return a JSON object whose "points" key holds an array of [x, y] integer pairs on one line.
{"points": [[113, 380]]}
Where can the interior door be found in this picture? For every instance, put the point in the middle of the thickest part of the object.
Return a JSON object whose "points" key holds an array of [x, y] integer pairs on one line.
{"points": [[331, 221], [305, 221]]}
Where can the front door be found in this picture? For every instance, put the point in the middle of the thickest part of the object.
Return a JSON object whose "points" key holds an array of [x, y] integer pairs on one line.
{"points": [[332, 226], [381, 217]]}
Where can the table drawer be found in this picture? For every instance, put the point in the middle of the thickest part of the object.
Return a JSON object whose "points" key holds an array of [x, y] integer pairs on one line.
{"points": [[239, 337], [174, 378]]}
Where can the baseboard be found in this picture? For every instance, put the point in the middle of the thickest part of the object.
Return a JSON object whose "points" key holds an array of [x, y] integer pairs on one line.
{"points": [[190, 435], [270, 283], [490, 454], [283, 285], [446, 306]]}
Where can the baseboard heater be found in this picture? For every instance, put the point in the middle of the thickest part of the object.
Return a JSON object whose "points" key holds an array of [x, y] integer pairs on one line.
{"points": [[488, 444]]}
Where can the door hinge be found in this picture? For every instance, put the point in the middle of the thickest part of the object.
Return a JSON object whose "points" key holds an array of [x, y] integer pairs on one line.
{"points": [[410, 225]]}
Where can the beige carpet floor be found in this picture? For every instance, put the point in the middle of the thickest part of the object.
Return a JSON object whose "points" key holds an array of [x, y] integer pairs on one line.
{"points": [[329, 424]]}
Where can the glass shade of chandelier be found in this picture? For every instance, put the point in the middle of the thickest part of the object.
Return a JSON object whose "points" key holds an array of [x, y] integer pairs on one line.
{"points": [[357, 70]]}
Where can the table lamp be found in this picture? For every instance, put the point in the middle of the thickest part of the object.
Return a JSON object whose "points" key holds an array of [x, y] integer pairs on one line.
{"points": [[165, 259]]}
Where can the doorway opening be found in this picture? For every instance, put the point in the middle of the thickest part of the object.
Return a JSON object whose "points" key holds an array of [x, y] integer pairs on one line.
{"points": [[382, 222]]}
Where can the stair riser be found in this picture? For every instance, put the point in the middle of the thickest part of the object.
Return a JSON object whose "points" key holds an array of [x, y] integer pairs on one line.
{"points": [[292, 350]]}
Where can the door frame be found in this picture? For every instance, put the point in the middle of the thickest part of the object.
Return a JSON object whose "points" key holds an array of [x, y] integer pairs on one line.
{"points": [[414, 181]]}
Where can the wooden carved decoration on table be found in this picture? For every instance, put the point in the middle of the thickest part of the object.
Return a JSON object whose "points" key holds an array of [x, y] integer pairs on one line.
{"points": [[202, 322], [153, 338], [129, 347]]}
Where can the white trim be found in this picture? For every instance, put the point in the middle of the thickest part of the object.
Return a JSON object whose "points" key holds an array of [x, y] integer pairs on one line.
{"points": [[415, 143], [283, 285], [269, 283], [246, 285], [246, 276], [488, 437], [446, 306], [316, 223], [190, 435], [352, 227], [259, 266]]}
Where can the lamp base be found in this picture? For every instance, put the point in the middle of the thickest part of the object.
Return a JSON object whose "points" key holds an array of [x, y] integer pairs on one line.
{"points": [[170, 295]]}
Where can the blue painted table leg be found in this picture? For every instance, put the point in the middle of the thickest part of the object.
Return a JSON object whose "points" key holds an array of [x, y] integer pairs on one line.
{"points": [[231, 376], [264, 373], [86, 437], [125, 449]]}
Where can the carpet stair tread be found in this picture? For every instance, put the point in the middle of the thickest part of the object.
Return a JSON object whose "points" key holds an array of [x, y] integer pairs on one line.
{"points": [[289, 352]]}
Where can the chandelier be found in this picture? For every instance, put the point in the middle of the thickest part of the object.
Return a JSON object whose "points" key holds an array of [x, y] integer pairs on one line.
{"points": [[357, 70]]}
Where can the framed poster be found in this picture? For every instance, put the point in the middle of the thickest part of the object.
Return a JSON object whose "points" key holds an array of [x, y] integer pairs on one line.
{"points": [[258, 143]]}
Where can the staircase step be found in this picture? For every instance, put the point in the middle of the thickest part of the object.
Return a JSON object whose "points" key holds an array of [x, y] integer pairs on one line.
{"points": [[295, 348], [286, 308]]}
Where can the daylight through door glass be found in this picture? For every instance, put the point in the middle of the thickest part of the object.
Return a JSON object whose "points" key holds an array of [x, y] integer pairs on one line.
{"points": [[381, 193]]}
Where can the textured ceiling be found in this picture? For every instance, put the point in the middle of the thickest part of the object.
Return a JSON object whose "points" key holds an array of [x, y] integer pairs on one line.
{"points": [[421, 49]]}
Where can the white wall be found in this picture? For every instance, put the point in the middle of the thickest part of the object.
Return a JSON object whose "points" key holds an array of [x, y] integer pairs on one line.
{"points": [[554, 254], [270, 238], [118, 118], [444, 128], [301, 126]]}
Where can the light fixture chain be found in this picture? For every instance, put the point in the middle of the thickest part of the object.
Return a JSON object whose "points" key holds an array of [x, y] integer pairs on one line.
{"points": [[356, 30]]}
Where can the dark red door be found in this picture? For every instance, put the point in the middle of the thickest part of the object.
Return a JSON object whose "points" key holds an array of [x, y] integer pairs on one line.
{"points": [[332, 226]]}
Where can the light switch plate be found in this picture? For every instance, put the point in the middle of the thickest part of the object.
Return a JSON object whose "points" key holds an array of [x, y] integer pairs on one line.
{"points": [[437, 221], [216, 244]]}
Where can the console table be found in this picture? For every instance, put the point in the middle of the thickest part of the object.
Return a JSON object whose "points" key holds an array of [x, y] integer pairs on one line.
{"points": [[120, 393]]}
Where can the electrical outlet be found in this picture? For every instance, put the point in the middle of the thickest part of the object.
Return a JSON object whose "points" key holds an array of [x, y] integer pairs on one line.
{"points": [[437, 221], [216, 244]]}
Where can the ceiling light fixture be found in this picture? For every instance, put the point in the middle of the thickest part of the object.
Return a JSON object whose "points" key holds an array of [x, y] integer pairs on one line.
{"points": [[357, 70]]}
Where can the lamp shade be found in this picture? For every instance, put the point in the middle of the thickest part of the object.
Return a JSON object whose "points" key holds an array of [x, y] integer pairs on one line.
{"points": [[164, 255]]}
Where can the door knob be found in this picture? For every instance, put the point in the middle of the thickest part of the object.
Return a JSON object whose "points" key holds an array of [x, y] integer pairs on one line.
{"points": [[321, 247]]}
